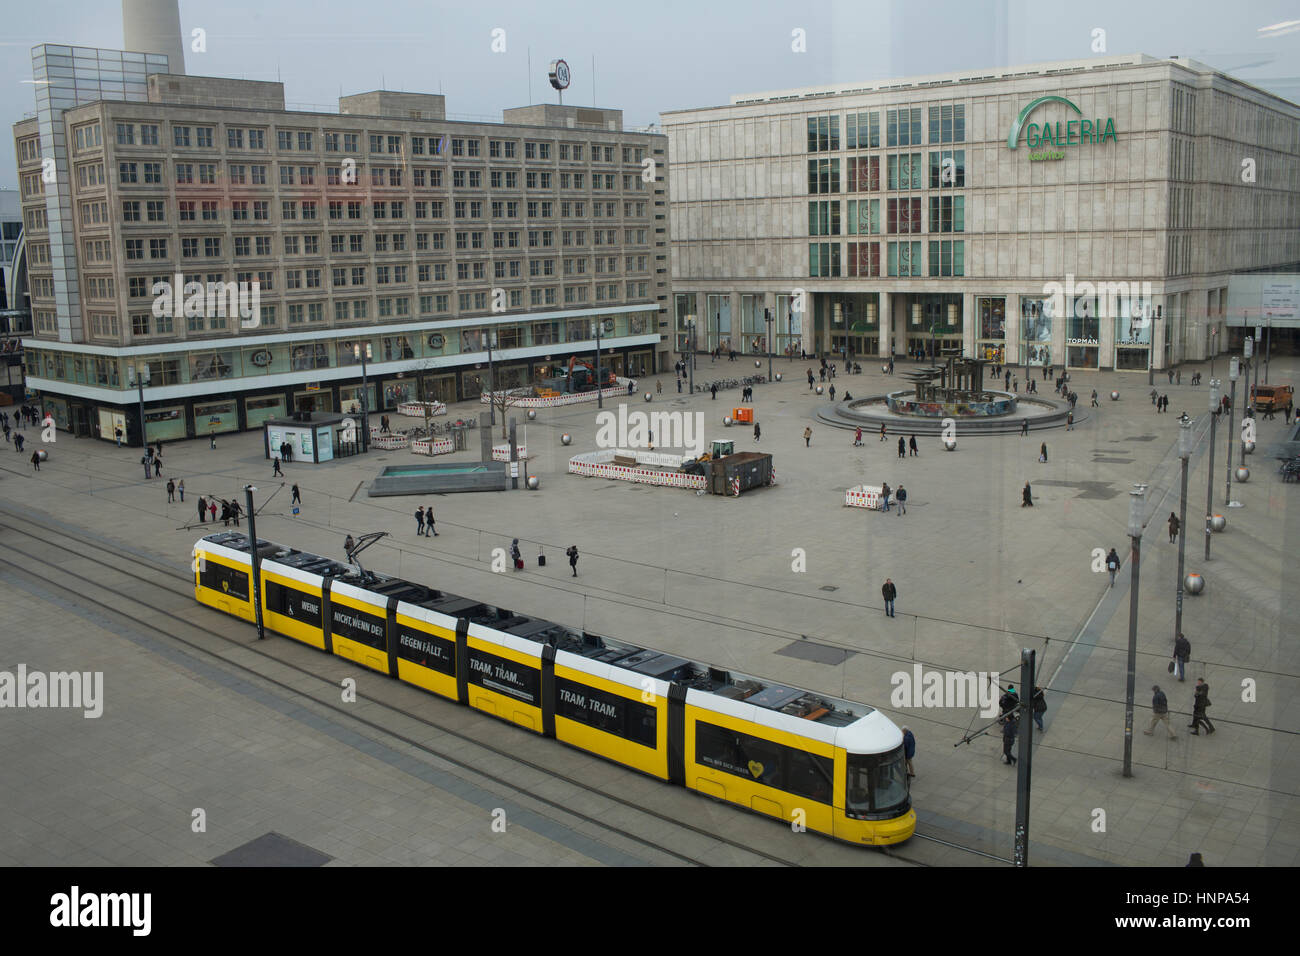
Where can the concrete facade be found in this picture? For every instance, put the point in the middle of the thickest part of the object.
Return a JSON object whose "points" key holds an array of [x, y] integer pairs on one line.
{"points": [[1199, 180]]}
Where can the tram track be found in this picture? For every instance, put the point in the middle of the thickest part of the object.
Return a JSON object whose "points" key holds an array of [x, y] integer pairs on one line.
{"points": [[280, 653]]}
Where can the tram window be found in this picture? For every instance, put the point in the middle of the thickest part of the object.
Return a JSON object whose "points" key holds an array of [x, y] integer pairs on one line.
{"points": [[355, 625], [739, 754], [614, 714], [810, 776], [877, 783], [218, 577], [426, 650]]}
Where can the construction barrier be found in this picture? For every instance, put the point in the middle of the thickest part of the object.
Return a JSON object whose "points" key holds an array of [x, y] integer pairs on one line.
{"points": [[864, 496], [417, 409], [433, 446], [599, 464], [388, 441], [554, 401], [502, 452]]}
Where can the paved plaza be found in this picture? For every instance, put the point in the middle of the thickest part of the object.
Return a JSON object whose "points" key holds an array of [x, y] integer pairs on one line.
{"points": [[784, 583]]}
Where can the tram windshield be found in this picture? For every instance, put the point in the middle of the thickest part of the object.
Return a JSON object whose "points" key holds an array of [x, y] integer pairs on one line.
{"points": [[877, 785]]}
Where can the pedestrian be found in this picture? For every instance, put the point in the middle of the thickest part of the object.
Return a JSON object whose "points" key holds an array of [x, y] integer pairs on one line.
{"points": [[117, 431], [1069, 422], [36, 460], [212, 509], [679, 386], [1015, 384], [1178, 377], [889, 593], [882, 431], [6, 431], [516, 555], [1173, 527], [909, 750], [1182, 654], [1009, 728], [158, 452], [572, 552], [832, 393], [180, 489], [1112, 565], [1200, 702], [1042, 452], [235, 512], [157, 467], [1009, 702], [1194, 860], [756, 431], [275, 467], [225, 513], [419, 520], [911, 443], [902, 447], [713, 391], [885, 492], [1095, 403], [857, 438], [810, 380], [144, 460], [212, 439], [1171, 376], [297, 498], [171, 490], [203, 510], [1159, 711], [807, 437], [1026, 497], [901, 496], [1155, 397], [1007, 378], [429, 529], [348, 545], [659, 386], [1039, 706], [1024, 427], [18, 442]]}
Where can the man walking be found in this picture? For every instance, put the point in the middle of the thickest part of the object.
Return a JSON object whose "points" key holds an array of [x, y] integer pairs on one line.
{"points": [[909, 750], [203, 511], [419, 521], [144, 460], [171, 490], [573, 558], [117, 431], [1095, 403], [1199, 704], [901, 496], [1182, 654], [1159, 711], [902, 447], [1024, 427], [1009, 728], [807, 437], [889, 592], [36, 460], [180, 489], [911, 443], [885, 492], [1069, 422], [883, 436], [275, 467], [1174, 525], [1112, 565], [756, 431], [429, 529], [1039, 705], [1026, 497], [297, 498]]}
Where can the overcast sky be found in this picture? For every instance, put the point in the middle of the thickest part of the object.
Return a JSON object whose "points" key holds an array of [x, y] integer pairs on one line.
{"points": [[675, 54]]}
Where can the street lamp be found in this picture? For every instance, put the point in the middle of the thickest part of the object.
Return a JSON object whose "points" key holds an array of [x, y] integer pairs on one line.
{"points": [[1136, 509], [492, 398], [1209, 490], [1151, 352], [1185, 453], [1214, 333], [690, 331], [257, 560], [140, 378], [600, 392], [768, 317], [364, 355], [1234, 371]]}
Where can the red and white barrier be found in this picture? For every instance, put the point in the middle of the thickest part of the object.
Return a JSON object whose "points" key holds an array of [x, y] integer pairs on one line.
{"points": [[529, 401], [417, 409], [863, 496], [599, 464], [388, 442], [502, 452], [433, 446]]}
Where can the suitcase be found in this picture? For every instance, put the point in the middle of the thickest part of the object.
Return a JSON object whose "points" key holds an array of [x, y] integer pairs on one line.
{"points": [[541, 560], [519, 564]]}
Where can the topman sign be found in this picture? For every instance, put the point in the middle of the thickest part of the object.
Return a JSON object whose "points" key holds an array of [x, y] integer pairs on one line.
{"points": [[1073, 132]]}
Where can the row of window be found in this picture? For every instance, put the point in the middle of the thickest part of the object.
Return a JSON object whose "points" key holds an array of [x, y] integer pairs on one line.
{"points": [[946, 169], [947, 214], [89, 136], [947, 124], [903, 259]]}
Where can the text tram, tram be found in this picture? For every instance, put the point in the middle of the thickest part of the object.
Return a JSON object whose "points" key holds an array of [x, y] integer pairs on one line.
{"points": [[788, 753]]}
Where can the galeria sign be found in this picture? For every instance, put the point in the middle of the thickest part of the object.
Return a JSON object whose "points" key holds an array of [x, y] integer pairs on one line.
{"points": [[1094, 132]]}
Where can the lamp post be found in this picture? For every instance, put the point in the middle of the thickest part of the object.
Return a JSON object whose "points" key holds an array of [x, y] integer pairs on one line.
{"points": [[600, 392], [1136, 508], [690, 366], [257, 560], [1185, 453], [1151, 353], [1209, 490], [141, 376], [362, 356], [1268, 349], [492, 385], [1214, 334], [1234, 371], [1254, 389], [767, 315]]}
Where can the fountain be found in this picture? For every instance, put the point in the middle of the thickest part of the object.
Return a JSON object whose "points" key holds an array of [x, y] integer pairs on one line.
{"points": [[952, 390]]}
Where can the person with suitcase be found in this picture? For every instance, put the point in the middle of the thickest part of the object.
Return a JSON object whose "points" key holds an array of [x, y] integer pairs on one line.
{"points": [[514, 553]]}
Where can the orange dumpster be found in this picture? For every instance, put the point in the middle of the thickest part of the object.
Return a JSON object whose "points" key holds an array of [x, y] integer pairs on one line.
{"points": [[744, 414]]}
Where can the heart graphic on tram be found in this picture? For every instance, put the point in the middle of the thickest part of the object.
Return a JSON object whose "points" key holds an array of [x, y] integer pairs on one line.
{"points": [[756, 769]]}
